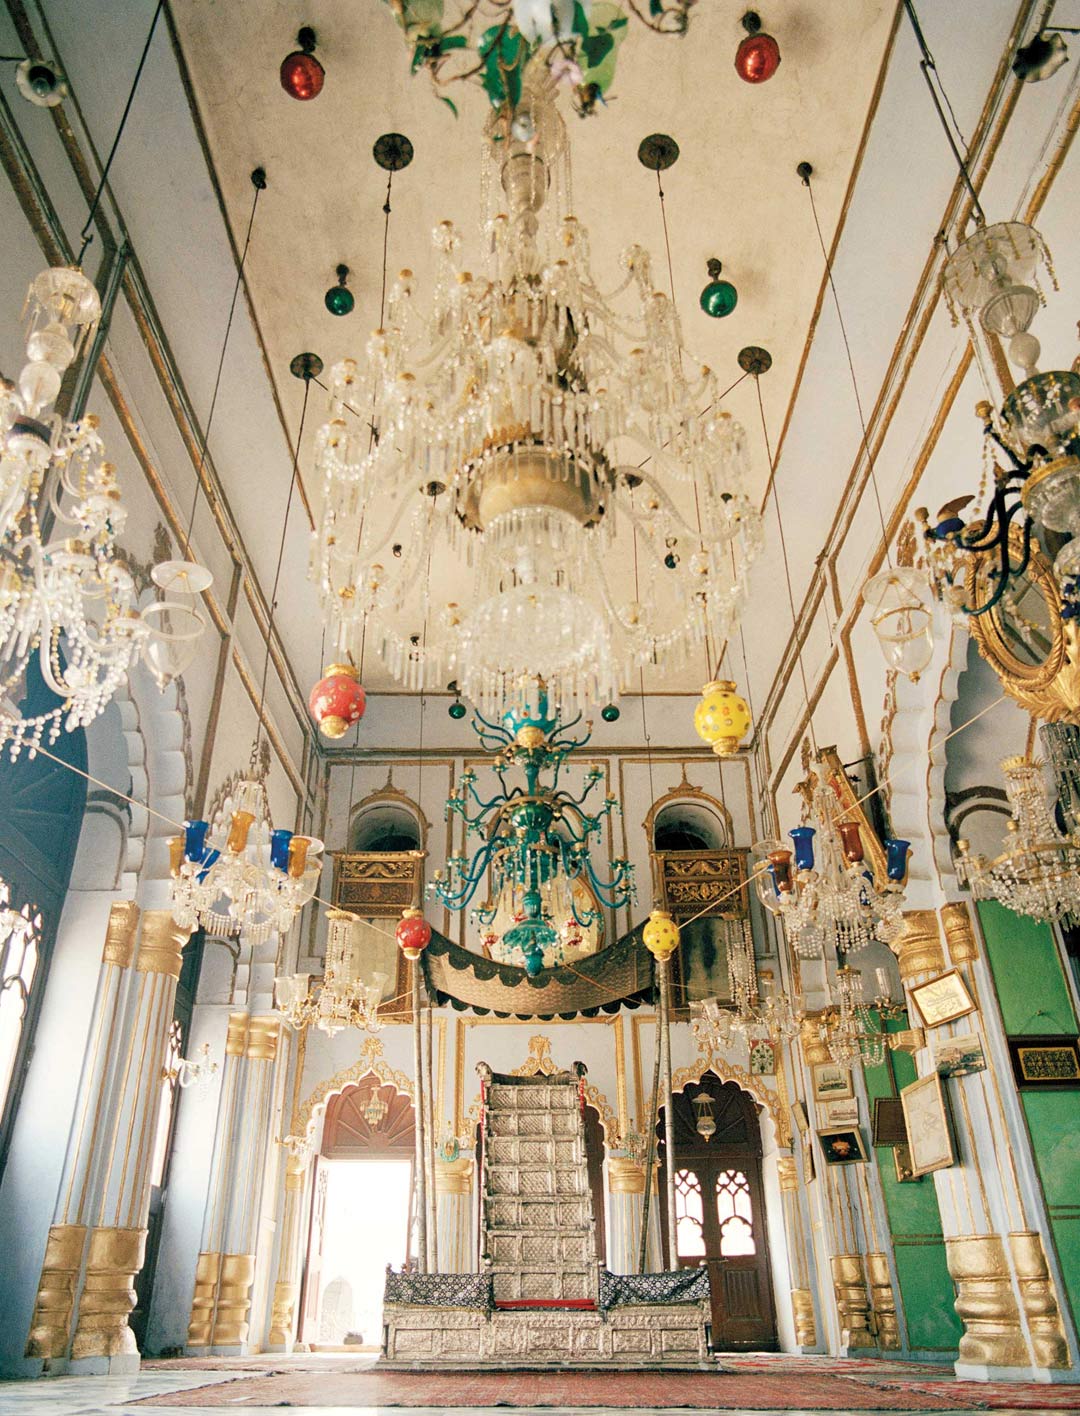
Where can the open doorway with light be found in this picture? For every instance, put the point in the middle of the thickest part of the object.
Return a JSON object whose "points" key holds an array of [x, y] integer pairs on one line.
{"points": [[361, 1215]]}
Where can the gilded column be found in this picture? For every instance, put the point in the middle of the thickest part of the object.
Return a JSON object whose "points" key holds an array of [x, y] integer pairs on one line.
{"points": [[802, 1300], [453, 1196], [97, 1240], [852, 1300], [986, 1302], [117, 1241], [1038, 1299], [221, 1307], [626, 1188], [883, 1302], [286, 1287]]}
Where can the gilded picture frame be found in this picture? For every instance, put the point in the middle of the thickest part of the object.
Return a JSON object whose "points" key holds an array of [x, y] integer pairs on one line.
{"points": [[942, 999], [842, 1145], [831, 1082], [1047, 1062]]}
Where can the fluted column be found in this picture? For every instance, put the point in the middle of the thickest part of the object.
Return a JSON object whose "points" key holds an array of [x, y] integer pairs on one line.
{"points": [[221, 1305], [626, 1187], [802, 1299], [97, 1241], [282, 1333], [453, 1196]]}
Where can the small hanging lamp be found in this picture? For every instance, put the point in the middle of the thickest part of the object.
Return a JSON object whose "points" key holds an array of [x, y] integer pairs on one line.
{"points": [[706, 1120], [338, 700], [758, 55], [722, 718], [339, 298], [302, 75], [719, 297]]}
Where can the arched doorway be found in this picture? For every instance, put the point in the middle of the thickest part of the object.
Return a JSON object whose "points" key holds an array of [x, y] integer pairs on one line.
{"points": [[720, 1209], [361, 1214]]}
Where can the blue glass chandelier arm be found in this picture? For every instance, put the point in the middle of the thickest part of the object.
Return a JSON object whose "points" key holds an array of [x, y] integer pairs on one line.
{"points": [[1007, 572]]}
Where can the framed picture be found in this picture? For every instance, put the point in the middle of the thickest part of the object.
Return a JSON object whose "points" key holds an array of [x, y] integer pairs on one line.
{"points": [[798, 1115], [901, 1156], [1045, 1061], [832, 1083], [958, 1056], [927, 1121], [889, 1128], [842, 1113], [842, 1145], [942, 999], [762, 1058]]}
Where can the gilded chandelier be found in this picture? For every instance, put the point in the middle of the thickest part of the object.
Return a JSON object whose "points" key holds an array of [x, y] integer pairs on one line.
{"points": [[537, 839], [546, 491], [1038, 871], [343, 999], [239, 876]]}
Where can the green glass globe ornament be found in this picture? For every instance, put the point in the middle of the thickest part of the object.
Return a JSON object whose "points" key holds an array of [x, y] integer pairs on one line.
{"points": [[457, 710], [610, 713], [719, 297], [339, 298]]}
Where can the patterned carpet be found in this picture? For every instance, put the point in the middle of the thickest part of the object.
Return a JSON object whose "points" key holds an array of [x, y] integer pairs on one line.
{"points": [[749, 1383]]}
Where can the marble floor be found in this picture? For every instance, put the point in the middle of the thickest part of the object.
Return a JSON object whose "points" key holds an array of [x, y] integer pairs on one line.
{"points": [[113, 1396]]}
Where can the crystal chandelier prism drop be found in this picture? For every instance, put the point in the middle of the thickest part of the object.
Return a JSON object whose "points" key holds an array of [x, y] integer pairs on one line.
{"points": [[1038, 871], [533, 444]]}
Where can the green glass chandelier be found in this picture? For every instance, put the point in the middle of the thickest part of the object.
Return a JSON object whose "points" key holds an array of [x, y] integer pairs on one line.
{"points": [[537, 839]]}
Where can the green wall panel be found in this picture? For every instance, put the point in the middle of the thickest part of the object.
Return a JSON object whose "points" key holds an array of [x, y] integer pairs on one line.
{"points": [[1053, 1119], [926, 1290], [1030, 985]]}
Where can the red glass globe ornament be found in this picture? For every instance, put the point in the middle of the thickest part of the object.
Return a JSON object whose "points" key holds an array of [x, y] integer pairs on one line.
{"points": [[302, 75], [758, 56], [338, 700], [413, 933]]}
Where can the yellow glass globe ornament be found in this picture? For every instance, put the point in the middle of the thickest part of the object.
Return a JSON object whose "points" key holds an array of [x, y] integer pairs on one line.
{"points": [[661, 935], [722, 718]]}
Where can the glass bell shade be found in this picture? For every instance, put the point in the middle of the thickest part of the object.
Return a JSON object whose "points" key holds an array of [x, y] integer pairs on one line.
{"points": [[722, 718], [175, 622], [1043, 411], [901, 618], [992, 274]]}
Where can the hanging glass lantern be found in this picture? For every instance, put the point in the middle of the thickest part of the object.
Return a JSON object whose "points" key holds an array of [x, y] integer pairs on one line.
{"points": [[901, 618], [338, 700], [722, 718], [705, 1125], [376, 1108]]}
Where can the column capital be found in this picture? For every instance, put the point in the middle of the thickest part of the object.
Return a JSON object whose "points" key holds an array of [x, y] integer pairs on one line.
{"points": [[237, 1035], [919, 948], [625, 1176], [454, 1177], [120, 933], [815, 1047], [959, 932], [160, 944], [263, 1036]]}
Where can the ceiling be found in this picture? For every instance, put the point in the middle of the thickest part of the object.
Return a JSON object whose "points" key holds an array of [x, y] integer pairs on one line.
{"points": [[733, 194]]}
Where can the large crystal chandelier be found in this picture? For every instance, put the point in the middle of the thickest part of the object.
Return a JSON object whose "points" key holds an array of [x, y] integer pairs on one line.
{"points": [[1038, 871], [236, 875], [344, 999], [552, 488], [828, 891], [757, 1009], [537, 841], [65, 595]]}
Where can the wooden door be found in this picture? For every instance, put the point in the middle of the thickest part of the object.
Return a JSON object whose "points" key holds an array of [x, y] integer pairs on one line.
{"points": [[720, 1213]]}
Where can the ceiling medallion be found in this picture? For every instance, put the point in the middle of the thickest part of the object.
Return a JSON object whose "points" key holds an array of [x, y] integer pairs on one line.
{"points": [[553, 489]]}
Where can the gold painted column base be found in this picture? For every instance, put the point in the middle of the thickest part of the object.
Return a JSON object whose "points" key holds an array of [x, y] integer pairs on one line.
{"points": [[201, 1323], [221, 1307], [113, 1259], [283, 1315], [852, 1301], [883, 1302], [50, 1326], [802, 1305], [1039, 1298], [985, 1303]]}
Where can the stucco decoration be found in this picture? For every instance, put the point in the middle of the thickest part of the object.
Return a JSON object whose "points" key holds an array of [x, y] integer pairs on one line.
{"points": [[371, 1063]]}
